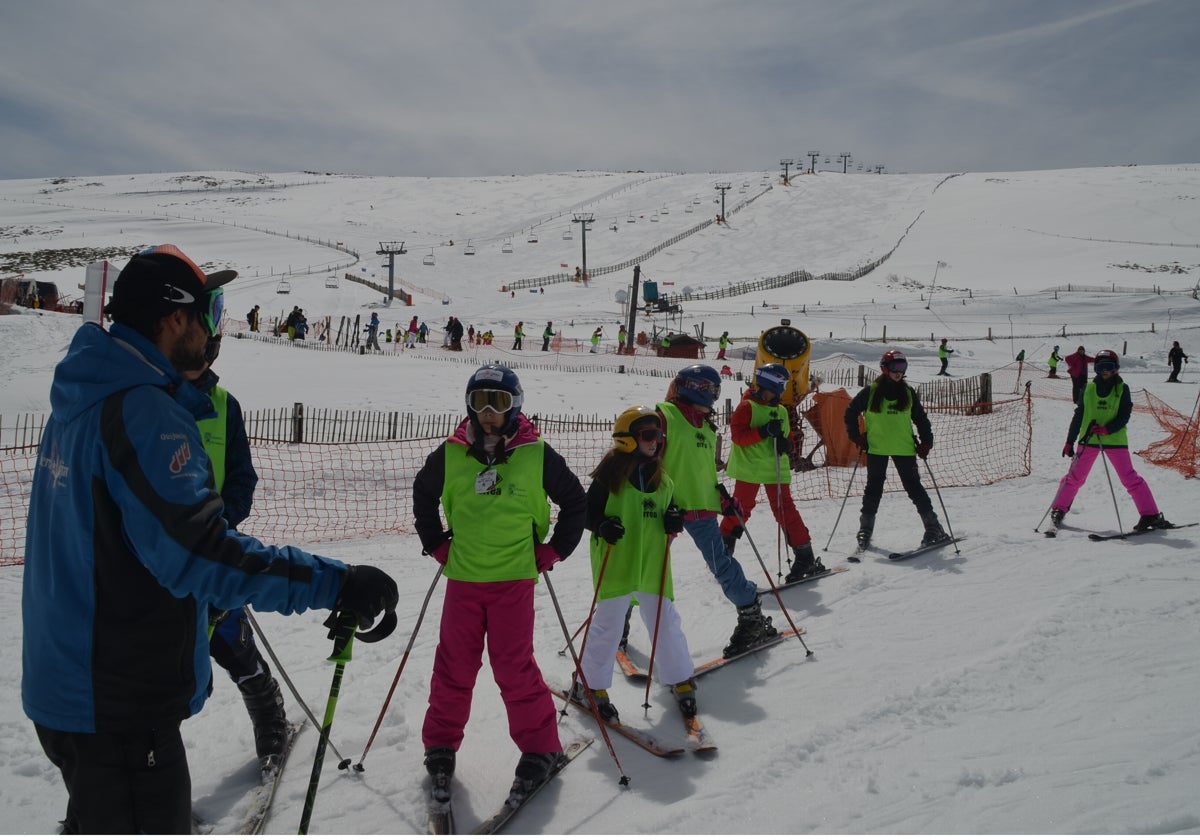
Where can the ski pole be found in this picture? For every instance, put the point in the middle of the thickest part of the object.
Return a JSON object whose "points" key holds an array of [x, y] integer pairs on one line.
{"points": [[771, 583], [1112, 492], [1061, 481], [778, 516], [937, 490], [562, 622], [595, 596], [662, 589], [345, 762], [849, 485], [284, 675], [341, 630]]}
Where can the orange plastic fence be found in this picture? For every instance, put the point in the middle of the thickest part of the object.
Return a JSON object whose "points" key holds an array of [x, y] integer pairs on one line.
{"points": [[312, 493]]}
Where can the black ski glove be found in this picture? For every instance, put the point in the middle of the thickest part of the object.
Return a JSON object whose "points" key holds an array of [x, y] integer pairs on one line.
{"points": [[773, 429], [367, 592], [611, 530], [672, 520]]}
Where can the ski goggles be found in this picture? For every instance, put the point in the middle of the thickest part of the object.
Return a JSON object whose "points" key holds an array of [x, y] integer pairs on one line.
{"points": [[1106, 366], [897, 366], [214, 308], [651, 434], [498, 401]]}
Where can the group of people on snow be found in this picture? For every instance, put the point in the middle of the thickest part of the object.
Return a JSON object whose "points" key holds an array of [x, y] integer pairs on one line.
{"points": [[116, 661]]}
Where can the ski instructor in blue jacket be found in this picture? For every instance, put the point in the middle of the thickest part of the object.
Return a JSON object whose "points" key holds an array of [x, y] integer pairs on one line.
{"points": [[127, 548]]}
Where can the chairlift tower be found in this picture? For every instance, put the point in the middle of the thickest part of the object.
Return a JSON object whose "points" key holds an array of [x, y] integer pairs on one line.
{"points": [[583, 220], [785, 163], [845, 158], [724, 187], [812, 166], [390, 250]]}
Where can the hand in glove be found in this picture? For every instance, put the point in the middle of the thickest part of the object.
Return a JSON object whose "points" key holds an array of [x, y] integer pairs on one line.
{"points": [[923, 450], [545, 556], [672, 520], [773, 429], [1068, 450], [366, 592], [610, 530], [732, 507], [1099, 431], [861, 441]]}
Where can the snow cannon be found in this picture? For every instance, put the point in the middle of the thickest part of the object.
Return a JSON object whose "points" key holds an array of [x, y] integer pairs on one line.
{"points": [[787, 346]]}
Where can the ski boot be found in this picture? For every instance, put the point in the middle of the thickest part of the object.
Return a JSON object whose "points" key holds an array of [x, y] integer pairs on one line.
{"points": [[805, 564], [933, 529], [685, 696], [753, 628], [533, 769], [866, 527], [264, 702], [439, 761], [603, 705], [1152, 522], [1057, 515]]}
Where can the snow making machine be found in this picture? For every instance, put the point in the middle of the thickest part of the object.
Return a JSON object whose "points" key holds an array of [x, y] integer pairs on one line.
{"points": [[785, 345]]}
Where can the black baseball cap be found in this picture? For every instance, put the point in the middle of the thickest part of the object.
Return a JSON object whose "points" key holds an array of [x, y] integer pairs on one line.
{"points": [[161, 279]]}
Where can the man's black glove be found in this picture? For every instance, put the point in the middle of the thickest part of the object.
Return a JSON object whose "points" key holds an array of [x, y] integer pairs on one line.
{"points": [[773, 429], [611, 530], [367, 592], [672, 520]]}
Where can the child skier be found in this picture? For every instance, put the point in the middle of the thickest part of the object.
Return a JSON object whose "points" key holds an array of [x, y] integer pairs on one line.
{"points": [[692, 464], [761, 443], [632, 518], [1053, 363], [1099, 425], [495, 469], [890, 408]]}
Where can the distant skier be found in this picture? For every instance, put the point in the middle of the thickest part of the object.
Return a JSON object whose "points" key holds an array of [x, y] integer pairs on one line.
{"points": [[1052, 362], [1077, 364], [944, 356], [1176, 357]]}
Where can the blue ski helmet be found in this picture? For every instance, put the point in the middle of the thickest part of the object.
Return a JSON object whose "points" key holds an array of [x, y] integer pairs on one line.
{"points": [[699, 385], [492, 382], [772, 378]]}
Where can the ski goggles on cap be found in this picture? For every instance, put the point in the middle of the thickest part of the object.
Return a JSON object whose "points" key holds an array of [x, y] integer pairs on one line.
{"points": [[497, 400], [897, 366], [214, 308]]}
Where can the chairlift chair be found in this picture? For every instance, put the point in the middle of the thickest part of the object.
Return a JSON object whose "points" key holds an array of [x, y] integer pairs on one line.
{"points": [[687, 209], [654, 218], [630, 220], [665, 211], [283, 287], [567, 234], [332, 282], [428, 260], [506, 248], [469, 251], [695, 201]]}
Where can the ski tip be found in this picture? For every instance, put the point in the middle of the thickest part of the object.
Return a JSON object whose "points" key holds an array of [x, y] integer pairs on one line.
{"points": [[853, 559]]}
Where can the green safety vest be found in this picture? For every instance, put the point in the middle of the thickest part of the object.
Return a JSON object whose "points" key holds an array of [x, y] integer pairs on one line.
{"points": [[1102, 410], [889, 430], [635, 563], [691, 461], [758, 463], [214, 432], [494, 530]]}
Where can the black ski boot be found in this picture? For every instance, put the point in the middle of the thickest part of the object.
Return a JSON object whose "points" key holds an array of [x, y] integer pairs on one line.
{"points": [[933, 529], [805, 564], [603, 704], [685, 696], [866, 527], [533, 769], [440, 761], [1057, 515], [753, 628], [1152, 522], [264, 702]]}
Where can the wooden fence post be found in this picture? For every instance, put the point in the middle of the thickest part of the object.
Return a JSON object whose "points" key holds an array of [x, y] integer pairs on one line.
{"points": [[298, 423]]}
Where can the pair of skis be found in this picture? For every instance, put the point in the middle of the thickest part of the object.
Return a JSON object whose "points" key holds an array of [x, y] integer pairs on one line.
{"points": [[441, 811], [262, 796], [1053, 530], [900, 556]]}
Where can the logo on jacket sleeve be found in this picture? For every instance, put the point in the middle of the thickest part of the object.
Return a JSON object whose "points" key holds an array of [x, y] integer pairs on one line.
{"points": [[179, 460]]}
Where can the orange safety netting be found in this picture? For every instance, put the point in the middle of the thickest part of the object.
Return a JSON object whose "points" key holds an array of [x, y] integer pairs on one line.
{"points": [[1180, 449], [311, 493]]}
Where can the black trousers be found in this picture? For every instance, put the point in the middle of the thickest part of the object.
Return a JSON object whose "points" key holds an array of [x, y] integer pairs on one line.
{"points": [[128, 783], [906, 468], [1078, 383]]}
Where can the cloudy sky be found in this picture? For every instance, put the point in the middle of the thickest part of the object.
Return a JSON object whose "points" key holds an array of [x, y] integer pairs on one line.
{"points": [[459, 87]]}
